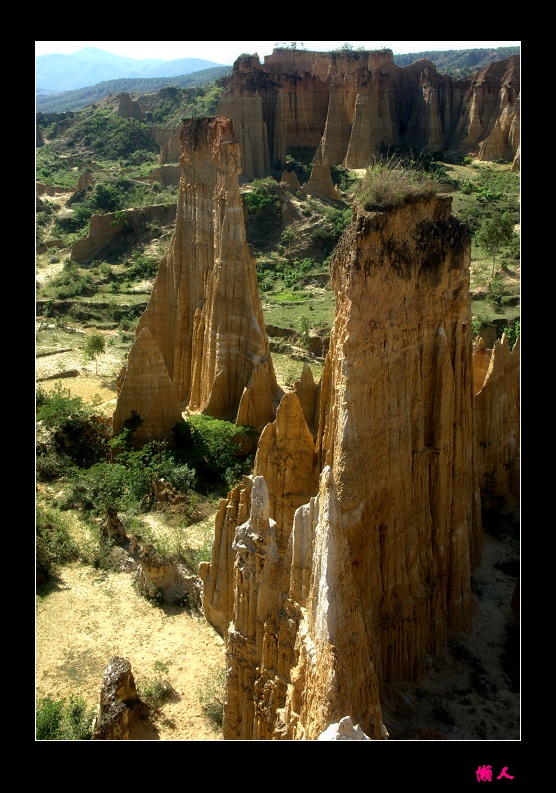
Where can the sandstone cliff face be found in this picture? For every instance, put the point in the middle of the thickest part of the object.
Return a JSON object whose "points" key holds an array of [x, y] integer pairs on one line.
{"points": [[295, 644], [128, 108], [363, 585], [104, 230], [204, 313], [320, 183], [397, 427], [169, 142], [218, 576], [166, 175], [497, 408], [496, 101], [148, 392], [308, 393], [334, 661], [350, 103], [287, 460], [287, 463]]}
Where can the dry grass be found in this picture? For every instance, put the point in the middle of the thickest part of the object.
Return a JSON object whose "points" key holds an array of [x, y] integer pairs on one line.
{"points": [[390, 183]]}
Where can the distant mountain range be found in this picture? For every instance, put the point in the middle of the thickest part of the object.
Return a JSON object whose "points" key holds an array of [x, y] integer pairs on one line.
{"points": [[70, 82], [58, 73]]}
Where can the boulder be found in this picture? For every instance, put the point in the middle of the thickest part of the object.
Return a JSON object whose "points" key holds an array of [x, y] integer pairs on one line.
{"points": [[119, 703], [344, 730]]}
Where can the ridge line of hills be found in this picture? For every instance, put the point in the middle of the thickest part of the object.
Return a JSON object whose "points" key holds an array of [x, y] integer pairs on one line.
{"points": [[457, 63]]}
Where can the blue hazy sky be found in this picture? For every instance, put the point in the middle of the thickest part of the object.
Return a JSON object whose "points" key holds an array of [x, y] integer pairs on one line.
{"points": [[226, 52]]}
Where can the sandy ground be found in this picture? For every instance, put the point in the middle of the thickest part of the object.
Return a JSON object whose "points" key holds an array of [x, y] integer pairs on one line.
{"points": [[93, 616]]}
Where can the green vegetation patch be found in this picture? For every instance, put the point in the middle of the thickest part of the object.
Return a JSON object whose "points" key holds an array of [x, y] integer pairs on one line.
{"points": [[64, 720]]}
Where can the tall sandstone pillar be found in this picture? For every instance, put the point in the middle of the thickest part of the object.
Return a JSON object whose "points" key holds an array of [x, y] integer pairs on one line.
{"points": [[397, 427], [205, 313]]}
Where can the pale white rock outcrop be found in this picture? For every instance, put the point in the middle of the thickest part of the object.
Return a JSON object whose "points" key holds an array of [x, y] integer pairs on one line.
{"points": [[344, 730]]}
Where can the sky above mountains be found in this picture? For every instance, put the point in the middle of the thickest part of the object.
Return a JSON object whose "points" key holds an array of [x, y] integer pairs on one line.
{"points": [[226, 52]]}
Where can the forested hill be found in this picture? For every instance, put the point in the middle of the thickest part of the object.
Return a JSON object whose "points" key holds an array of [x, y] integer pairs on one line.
{"points": [[80, 97], [457, 63]]}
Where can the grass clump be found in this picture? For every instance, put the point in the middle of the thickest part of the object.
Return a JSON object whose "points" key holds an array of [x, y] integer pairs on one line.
{"points": [[394, 180], [158, 690], [212, 696]]}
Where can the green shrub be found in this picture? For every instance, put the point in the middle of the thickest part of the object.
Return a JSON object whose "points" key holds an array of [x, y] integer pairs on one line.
{"points": [[298, 161], [291, 273], [109, 485], [262, 196], [497, 232], [111, 136], [50, 466], [287, 237], [304, 328], [343, 178], [53, 543], [72, 282], [75, 436], [121, 218], [325, 238], [48, 719], [266, 282], [300, 154], [95, 345], [181, 477], [143, 267], [194, 556], [218, 451], [496, 292], [58, 720], [512, 332], [127, 481], [338, 219]]}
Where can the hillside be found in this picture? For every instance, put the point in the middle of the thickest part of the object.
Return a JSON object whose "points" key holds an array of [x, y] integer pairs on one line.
{"points": [[459, 63], [48, 102]]}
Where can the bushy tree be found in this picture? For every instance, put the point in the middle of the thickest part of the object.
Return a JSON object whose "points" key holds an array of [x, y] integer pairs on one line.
{"points": [[495, 232], [111, 136], [94, 346]]}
